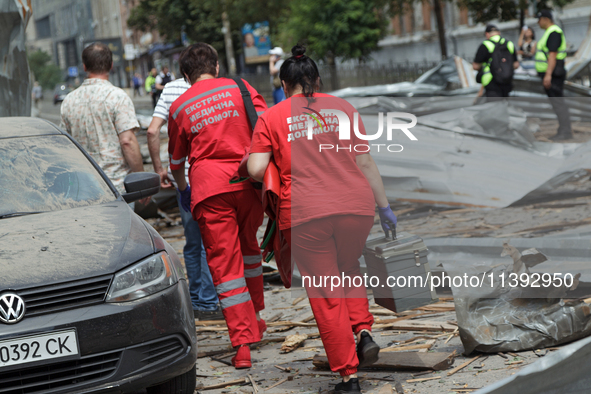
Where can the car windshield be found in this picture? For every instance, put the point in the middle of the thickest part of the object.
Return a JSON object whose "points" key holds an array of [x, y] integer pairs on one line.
{"points": [[47, 173]]}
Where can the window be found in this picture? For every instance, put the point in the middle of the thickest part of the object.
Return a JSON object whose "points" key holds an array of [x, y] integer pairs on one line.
{"points": [[43, 28]]}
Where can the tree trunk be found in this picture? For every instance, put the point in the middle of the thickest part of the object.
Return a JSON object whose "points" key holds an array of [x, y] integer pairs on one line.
{"points": [[440, 27], [332, 66], [521, 19], [228, 43]]}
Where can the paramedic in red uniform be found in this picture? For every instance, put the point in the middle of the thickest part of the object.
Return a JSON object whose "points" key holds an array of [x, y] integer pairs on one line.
{"points": [[326, 209], [209, 127]]}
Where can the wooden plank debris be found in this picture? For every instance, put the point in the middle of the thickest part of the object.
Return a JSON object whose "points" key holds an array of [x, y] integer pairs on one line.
{"points": [[422, 346], [422, 326], [453, 334], [436, 361], [275, 317], [462, 366], [289, 378], [225, 384], [292, 342], [284, 369], [255, 388], [422, 379], [430, 342]]}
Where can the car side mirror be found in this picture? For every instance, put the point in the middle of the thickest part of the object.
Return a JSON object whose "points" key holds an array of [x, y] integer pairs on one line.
{"points": [[140, 185]]}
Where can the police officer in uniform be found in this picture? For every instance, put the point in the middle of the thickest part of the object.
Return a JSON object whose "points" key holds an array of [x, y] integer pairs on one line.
{"points": [[550, 55], [482, 62]]}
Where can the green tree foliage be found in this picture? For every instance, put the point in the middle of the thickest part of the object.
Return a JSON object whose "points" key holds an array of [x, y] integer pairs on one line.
{"points": [[202, 19], [349, 29], [46, 72]]}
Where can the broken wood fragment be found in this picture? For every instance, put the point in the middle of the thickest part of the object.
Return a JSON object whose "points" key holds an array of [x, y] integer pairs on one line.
{"points": [[289, 378], [292, 342], [464, 365], [391, 361], [453, 334], [255, 388], [409, 347], [430, 342], [418, 325], [225, 384], [210, 323], [422, 379], [275, 317]]}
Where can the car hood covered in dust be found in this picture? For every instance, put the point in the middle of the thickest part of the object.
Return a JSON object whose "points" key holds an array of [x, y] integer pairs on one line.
{"points": [[60, 246]]}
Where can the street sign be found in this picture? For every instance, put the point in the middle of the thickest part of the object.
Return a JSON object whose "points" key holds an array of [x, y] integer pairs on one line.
{"points": [[129, 52], [72, 72]]}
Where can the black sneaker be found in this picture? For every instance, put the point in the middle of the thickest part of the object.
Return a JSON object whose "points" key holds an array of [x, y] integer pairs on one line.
{"points": [[367, 350], [561, 137], [352, 386], [216, 314]]}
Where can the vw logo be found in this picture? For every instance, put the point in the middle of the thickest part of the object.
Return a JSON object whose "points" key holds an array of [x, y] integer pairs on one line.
{"points": [[12, 308]]}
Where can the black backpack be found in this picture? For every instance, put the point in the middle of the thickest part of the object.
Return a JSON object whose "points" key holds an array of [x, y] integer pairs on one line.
{"points": [[166, 79], [501, 64]]}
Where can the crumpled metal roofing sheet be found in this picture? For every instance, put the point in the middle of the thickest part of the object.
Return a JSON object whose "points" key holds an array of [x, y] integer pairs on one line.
{"points": [[482, 156], [563, 371]]}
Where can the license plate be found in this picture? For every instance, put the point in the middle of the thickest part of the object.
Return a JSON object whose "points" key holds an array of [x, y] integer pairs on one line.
{"points": [[38, 348]]}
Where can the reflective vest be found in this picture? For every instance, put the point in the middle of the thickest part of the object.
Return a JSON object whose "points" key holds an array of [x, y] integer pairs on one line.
{"points": [[487, 76], [542, 49]]}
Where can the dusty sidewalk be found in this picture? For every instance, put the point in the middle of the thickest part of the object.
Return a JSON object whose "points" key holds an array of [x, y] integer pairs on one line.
{"points": [[566, 210], [431, 331], [308, 379]]}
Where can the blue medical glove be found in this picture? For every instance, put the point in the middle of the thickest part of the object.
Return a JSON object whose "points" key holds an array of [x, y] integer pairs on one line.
{"points": [[186, 198], [387, 220]]}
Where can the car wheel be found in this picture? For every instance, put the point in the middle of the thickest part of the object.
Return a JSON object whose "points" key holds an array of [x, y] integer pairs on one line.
{"points": [[182, 384]]}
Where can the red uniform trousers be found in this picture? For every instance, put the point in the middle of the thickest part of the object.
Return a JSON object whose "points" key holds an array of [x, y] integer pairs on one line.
{"points": [[229, 224], [331, 247]]}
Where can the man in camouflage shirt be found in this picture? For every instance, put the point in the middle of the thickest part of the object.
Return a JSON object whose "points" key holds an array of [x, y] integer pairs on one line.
{"points": [[101, 117]]}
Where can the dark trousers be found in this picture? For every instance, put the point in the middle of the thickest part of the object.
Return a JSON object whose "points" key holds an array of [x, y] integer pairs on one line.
{"points": [[494, 89], [155, 97], [556, 95]]}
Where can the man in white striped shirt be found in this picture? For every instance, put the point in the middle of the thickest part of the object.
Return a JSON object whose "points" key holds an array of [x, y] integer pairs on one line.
{"points": [[203, 294]]}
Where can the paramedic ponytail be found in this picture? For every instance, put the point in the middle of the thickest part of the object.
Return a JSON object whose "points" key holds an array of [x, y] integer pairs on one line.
{"points": [[301, 70]]}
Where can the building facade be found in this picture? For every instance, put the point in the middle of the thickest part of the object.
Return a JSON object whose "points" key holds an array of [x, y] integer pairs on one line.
{"points": [[414, 37], [60, 28], [63, 28]]}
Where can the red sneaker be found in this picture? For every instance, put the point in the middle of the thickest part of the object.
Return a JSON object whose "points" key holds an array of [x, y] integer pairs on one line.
{"points": [[242, 358], [262, 327]]}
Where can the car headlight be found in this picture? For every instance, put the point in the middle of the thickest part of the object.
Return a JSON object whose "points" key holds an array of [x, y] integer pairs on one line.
{"points": [[147, 277]]}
